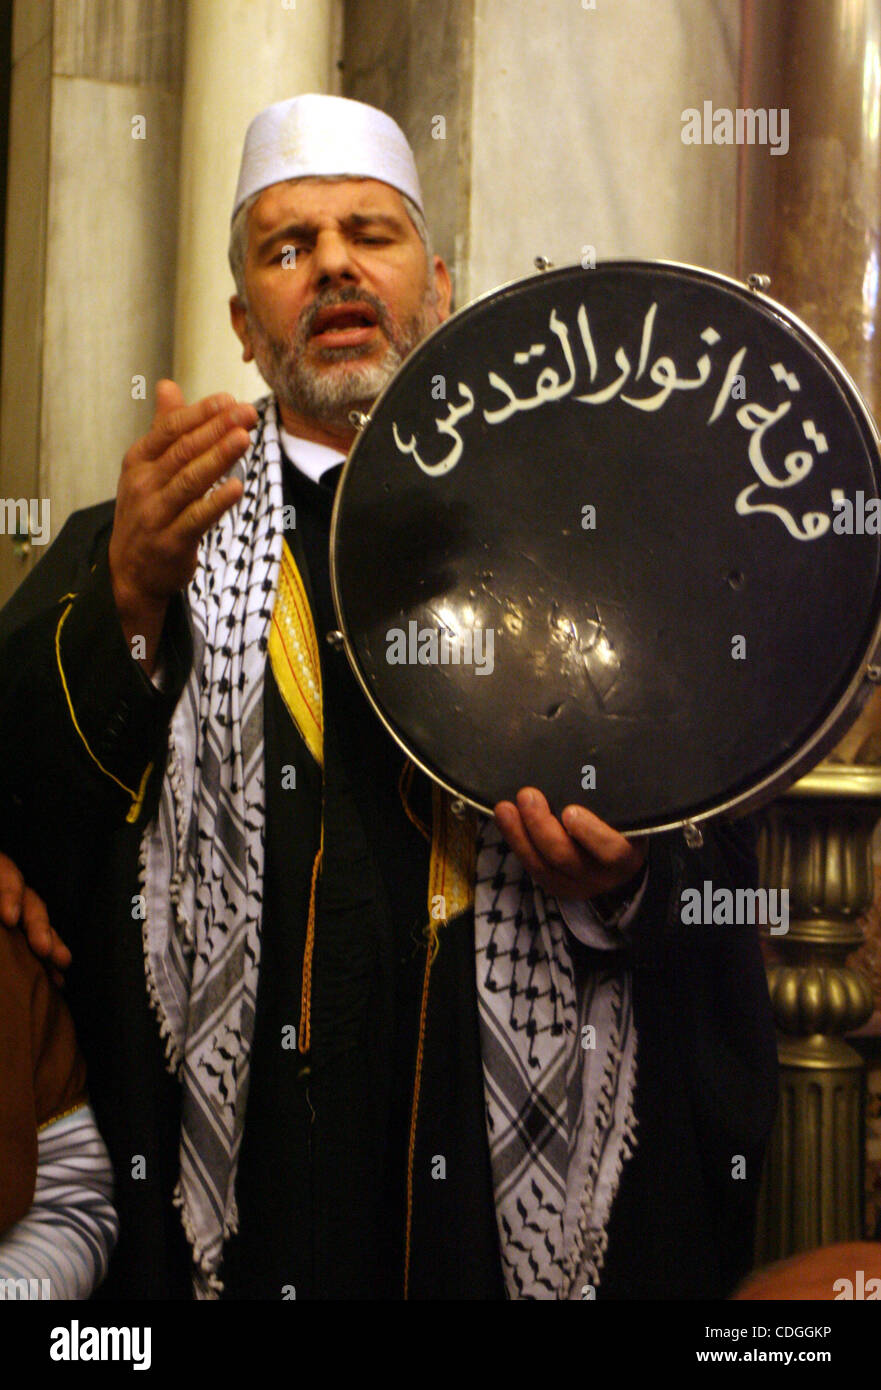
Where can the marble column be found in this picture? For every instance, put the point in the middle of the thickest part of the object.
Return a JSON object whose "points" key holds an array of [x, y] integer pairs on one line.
{"points": [[90, 245], [110, 255], [812, 221], [240, 56], [416, 64], [546, 127], [24, 269]]}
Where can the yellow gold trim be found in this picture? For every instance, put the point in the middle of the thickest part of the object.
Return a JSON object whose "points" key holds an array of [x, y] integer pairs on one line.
{"points": [[135, 809], [453, 855], [450, 879], [293, 655], [405, 782], [71, 1110], [135, 796], [296, 665], [304, 1042], [414, 1114]]}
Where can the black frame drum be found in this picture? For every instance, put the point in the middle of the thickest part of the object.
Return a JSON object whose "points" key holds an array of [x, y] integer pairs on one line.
{"points": [[615, 533]]}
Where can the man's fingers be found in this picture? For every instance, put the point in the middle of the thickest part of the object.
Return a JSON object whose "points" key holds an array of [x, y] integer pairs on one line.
{"points": [[548, 837], [202, 514], [21, 907], [10, 908], [195, 463], [167, 428], [601, 841], [199, 443], [192, 463], [182, 499], [169, 397], [42, 939], [11, 891], [192, 483], [59, 955], [510, 822], [35, 923], [578, 858]]}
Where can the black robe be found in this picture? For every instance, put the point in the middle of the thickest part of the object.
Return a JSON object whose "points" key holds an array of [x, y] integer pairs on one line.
{"points": [[322, 1178]]}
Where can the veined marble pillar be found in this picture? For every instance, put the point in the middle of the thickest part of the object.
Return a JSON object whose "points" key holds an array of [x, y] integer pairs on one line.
{"points": [[240, 56]]}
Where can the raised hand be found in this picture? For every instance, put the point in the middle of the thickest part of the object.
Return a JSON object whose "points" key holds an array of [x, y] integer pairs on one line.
{"points": [[169, 495]]}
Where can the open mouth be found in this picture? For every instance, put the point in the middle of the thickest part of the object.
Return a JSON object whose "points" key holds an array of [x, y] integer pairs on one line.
{"points": [[340, 325]]}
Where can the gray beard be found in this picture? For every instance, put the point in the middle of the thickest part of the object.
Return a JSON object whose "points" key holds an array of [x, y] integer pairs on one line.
{"points": [[328, 397]]}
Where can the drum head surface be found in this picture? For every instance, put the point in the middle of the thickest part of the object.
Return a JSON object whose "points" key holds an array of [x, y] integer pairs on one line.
{"points": [[589, 543]]}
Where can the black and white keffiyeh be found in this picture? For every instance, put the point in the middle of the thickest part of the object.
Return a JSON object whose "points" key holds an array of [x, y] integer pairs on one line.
{"points": [[202, 855], [559, 1068]]}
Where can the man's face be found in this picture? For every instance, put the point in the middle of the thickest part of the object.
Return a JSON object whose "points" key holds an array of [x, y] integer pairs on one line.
{"points": [[329, 330]]}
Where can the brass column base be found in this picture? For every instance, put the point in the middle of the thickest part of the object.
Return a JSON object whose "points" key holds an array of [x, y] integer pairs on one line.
{"points": [[812, 1188], [815, 843]]}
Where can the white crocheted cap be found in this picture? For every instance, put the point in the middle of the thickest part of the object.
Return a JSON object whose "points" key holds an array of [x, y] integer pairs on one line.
{"points": [[314, 134]]}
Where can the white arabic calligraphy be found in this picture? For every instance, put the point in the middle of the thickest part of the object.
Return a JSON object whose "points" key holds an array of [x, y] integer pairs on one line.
{"points": [[815, 524], [554, 385], [447, 426], [547, 388]]}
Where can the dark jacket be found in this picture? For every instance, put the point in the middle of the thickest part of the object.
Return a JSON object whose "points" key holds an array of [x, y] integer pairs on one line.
{"points": [[323, 1187]]}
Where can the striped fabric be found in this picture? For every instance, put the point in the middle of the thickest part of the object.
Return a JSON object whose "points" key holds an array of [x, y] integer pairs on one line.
{"points": [[61, 1249]]}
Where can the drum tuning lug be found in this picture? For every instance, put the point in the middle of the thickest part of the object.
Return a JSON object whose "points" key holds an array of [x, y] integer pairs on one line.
{"points": [[694, 836], [542, 263], [758, 282], [457, 807], [358, 419], [336, 639], [873, 674]]}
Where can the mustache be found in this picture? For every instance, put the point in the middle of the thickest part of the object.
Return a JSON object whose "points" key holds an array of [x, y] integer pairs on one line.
{"points": [[330, 299]]}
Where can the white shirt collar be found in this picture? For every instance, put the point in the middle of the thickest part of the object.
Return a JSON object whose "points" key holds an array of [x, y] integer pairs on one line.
{"points": [[310, 458]]}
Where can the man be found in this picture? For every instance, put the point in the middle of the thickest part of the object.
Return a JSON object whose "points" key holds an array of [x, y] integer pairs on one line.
{"points": [[370, 1099]]}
